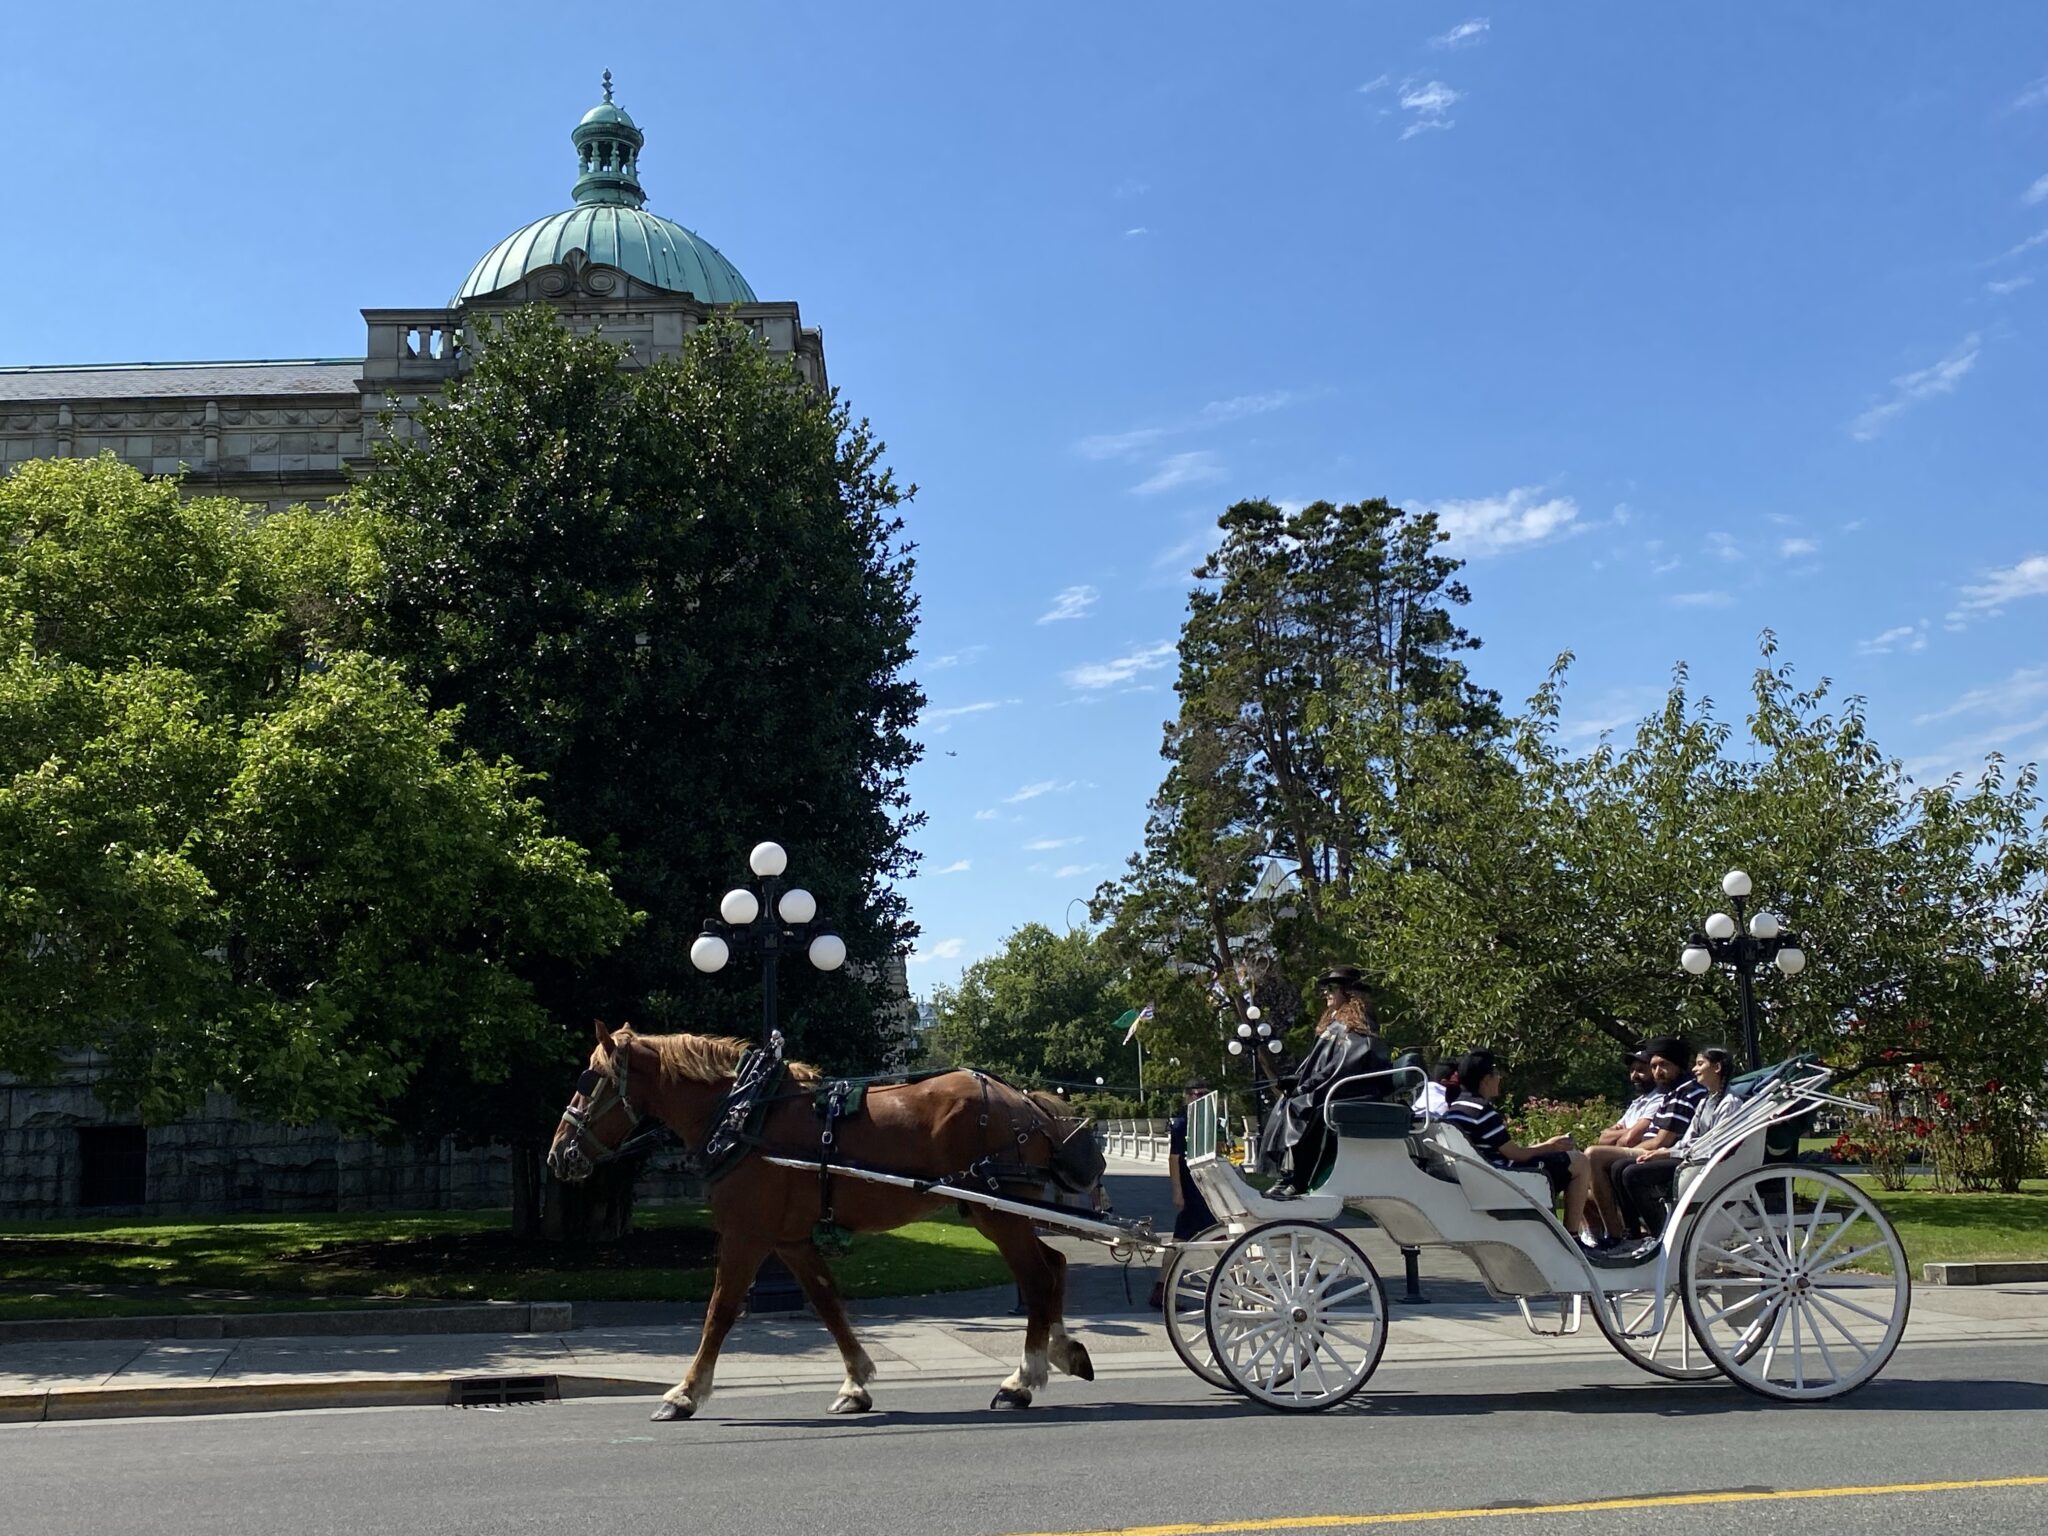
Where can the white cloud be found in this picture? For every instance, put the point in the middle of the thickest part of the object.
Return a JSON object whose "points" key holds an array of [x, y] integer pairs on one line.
{"points": [[1034, 791], [1047, 844], [957, 867], [1699, 599], [1108, 674], [2038, 237], [945, 949], [1136, 230], [1431, 104], [1069, 871], [1130, 186], [1463, 34], [1999, 290], [988, 815], [1219, 411], [1908, 389], [1724, 545], [1128, 445], [1666, 567], [2038, 192], [1493, 524], [2026, 689], [1613, 710], [1378, 82], [961, 658], [1987, 599], [940, 721], [2032, 96], [1189, 552], [1966, 754], [1070, 603], [1179, 469], [1903, 637], [1792, 549]]}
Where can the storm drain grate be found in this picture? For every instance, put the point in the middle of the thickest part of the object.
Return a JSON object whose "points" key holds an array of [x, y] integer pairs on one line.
{"points": [[502, 1391]]}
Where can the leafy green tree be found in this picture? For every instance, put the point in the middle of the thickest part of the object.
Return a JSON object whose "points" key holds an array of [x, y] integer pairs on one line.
{"points": [[680, 596], [1290, 608], [1540, 896], [1039, 1012], [235, 852]]}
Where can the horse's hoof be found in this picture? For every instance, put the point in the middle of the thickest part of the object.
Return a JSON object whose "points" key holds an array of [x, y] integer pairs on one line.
{"points": [[846, 1402], [1010, 1398], [666, 1412], [1078, 1363]]}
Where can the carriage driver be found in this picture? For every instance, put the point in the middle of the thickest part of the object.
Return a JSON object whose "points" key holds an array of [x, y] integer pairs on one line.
{"points": [[1473, 1112]]}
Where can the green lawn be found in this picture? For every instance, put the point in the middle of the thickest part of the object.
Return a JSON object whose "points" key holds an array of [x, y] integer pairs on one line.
{"points": [[1958, 1229], [295, 1263]]}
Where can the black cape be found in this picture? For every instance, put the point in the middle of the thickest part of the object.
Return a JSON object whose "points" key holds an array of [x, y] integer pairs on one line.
{"points": [[1337, 1054]]}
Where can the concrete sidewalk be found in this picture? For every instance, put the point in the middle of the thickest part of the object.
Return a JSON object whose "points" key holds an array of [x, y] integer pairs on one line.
{"points": [[642, 1350]]}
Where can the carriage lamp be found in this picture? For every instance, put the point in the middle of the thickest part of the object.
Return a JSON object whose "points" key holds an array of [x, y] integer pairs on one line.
{"points": [[1721, 938]]}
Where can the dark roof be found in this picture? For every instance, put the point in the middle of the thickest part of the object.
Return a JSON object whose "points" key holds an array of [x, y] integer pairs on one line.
{"points": [[150, 381]]}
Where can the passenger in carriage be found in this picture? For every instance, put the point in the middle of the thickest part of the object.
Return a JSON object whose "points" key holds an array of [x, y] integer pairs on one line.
{"points": [[1620, 1142], [1347, 1046], [1643, 1185], [1474, 1113]]}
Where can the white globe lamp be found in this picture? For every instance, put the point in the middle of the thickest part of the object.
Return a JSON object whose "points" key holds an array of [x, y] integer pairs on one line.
{"points": [[1720, 926], [797, 905], [708, 952], [739, 907], [1237, 1047], [1764, 926], [1791, 961], [1696, 960], [828, 951], [767, 860], [1735, 883]]}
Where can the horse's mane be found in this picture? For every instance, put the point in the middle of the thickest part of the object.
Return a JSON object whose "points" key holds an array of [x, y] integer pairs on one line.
{"points": [[702, 1058]]}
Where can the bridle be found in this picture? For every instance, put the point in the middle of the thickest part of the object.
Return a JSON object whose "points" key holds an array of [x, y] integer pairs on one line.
{"points": [[590, 1087]]}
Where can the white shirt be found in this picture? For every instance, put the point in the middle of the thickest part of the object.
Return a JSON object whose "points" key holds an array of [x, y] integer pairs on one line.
{"points": [[1642, 1108], [1433, 1101]]}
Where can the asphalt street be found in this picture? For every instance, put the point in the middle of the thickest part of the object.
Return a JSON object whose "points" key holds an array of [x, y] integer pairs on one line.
{"points": [[1136, 1450]]}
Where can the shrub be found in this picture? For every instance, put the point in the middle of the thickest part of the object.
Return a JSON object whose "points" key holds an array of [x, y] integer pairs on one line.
{"points": [[1535, 1120]]}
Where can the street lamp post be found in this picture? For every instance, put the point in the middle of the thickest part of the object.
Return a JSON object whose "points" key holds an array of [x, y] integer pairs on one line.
{"points": [[1764, 940], [769, 921]]}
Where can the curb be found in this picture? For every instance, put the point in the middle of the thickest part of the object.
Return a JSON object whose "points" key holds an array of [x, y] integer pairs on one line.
{"points": [[74, 1404], [1996, 1273], [474, 1317]]}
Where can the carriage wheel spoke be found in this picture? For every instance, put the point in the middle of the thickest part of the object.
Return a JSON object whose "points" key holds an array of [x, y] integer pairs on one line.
{"points": [[1337, 1298], [1771, 1349], [1836, 1299], [1846, 1258], [1862, 1350], [1739, 1260], [1820, 1344]]}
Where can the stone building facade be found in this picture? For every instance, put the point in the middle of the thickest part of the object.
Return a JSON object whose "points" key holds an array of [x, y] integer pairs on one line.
{"points": [[281, 433]]}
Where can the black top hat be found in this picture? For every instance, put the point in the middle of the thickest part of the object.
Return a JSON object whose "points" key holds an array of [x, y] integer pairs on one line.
{"points": [[1342, 976]]}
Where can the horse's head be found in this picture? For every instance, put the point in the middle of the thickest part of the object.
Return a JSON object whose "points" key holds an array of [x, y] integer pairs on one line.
{"points": [[601, 1114]]}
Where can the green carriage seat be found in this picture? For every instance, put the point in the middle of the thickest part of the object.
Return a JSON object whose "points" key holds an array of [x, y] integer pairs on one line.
{"points": [[1781, 1142]]}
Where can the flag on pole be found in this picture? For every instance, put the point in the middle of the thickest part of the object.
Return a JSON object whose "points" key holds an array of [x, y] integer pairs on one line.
{"points": [[1137, 1018]]}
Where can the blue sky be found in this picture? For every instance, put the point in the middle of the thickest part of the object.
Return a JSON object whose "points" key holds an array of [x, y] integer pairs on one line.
{"points": [[1690, 320]]}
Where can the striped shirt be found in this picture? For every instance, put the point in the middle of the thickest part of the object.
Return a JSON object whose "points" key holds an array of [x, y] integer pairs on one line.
{"points": [[1642, 1108], [1480, 1122], [1679, 1106]]}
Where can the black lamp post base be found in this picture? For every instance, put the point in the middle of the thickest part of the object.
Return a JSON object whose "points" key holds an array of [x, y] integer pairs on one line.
{"points": [[775, 1289]]}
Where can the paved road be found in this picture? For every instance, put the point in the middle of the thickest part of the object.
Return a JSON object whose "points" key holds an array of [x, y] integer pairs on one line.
{"points": [[1137, 1449]]}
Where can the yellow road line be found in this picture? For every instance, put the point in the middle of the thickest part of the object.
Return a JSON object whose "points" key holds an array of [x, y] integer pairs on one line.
{"points": [[1586, 1506]]}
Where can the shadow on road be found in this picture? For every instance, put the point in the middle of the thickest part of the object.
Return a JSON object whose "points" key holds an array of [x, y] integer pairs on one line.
{"points": [[1675, 1401]]}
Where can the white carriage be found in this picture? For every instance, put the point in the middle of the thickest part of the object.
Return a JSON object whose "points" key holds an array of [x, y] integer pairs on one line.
{"points": [[1784, 1278]]}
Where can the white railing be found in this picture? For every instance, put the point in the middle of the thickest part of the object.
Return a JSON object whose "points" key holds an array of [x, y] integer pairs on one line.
{"points": [[1142, 1141]]}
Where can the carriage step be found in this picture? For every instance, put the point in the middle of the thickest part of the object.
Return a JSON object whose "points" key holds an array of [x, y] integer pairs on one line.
{"points": [[502, 1391], [1571, 1312]]}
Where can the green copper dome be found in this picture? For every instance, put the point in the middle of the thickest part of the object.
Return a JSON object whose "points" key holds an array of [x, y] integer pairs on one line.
{"points": [[609, 225]]}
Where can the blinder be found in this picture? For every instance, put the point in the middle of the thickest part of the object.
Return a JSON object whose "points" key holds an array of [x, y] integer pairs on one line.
{"points": [[590, 1086]]}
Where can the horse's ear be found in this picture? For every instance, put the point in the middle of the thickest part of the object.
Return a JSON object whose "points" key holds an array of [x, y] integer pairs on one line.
{"points": [[604, 1033]]}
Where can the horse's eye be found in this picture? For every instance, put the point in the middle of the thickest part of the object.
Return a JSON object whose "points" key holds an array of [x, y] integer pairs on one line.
{"points": [[587, 1083]]}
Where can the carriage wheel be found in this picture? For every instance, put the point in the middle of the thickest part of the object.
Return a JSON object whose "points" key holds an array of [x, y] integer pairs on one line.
{"points": [[1187, 1298], [1795, 1283], [1673, 1352], [1296, 1316]]}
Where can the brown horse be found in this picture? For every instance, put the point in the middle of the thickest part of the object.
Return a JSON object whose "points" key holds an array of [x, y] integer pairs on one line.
{"points": [[931, 1128]]}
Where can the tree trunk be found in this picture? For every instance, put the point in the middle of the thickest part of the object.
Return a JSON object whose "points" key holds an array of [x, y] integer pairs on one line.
{"points": [[530, 1179], [599, 1210]]}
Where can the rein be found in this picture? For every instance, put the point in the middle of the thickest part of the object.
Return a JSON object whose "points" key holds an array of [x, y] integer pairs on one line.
{"points": [[591, 1087]]}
